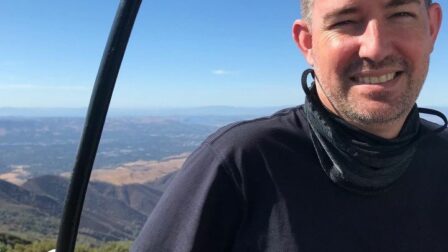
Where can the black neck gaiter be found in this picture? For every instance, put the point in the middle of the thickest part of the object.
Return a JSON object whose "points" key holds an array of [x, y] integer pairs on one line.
{"points": [[354, 159]]}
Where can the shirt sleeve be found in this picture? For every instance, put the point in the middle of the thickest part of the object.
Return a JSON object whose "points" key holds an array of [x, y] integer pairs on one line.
{"points": [[200, 211]]}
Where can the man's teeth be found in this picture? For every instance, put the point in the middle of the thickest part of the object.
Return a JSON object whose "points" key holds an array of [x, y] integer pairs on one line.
{"points": [[377, 80]]}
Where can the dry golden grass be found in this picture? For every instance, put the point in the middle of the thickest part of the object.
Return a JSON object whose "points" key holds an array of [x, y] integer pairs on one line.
{"points": [[139, 172], [17, 176]]}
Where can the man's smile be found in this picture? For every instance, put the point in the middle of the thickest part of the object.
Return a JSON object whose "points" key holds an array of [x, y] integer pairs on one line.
{"points": [[372, 78]]}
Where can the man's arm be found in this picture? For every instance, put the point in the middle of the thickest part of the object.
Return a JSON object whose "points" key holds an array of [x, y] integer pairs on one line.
{"points": [[200, 211]]}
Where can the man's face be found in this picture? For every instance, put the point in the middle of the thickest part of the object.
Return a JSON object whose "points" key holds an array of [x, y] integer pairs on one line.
{"points": [[371, 57]]}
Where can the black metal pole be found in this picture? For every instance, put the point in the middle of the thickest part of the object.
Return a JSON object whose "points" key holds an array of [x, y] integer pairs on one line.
{"points": [[96, 116]]}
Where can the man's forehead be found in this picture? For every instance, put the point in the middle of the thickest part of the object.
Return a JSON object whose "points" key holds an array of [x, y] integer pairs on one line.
{"points": [[331, 5]]}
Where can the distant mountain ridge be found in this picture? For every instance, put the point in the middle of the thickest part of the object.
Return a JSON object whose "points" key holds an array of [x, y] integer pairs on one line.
{"points": [[111, 213], [12, 194]]}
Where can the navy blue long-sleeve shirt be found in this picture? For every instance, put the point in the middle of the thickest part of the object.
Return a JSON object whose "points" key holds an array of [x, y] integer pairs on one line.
{"points": [[258, 186]]}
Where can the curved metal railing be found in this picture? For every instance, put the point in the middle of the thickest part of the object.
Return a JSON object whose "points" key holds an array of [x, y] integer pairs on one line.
{"points": [[93, 127]]}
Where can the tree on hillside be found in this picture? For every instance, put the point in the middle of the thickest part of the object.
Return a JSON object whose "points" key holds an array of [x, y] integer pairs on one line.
{"points": [[4, 247]]}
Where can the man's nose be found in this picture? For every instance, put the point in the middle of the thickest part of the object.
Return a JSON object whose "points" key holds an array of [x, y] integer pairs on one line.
{"points": [[375, 43]]}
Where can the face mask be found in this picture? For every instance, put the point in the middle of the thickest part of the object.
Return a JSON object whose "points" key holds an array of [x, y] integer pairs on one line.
{"points": [[357, 160]]}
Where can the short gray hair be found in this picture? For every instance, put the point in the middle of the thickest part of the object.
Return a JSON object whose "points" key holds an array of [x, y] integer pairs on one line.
{"points": [[307, 6]]}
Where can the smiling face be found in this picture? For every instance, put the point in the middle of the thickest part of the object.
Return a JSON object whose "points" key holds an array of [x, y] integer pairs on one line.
{"points": [[370, 57]]}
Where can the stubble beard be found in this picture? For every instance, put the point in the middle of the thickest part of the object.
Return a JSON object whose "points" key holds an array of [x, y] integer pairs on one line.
{"points": [[351, 108]]}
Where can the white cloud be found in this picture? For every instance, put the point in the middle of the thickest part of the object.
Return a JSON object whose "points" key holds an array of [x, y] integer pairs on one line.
{"points": [[223, 72]]}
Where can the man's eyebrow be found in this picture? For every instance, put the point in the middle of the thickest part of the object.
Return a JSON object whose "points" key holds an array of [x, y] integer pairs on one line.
{"points": [[347, 10], [341, 12], [396, 3]]}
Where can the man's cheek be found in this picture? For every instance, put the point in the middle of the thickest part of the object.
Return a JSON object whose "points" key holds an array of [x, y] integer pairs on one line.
{"points": [[340, 54]]}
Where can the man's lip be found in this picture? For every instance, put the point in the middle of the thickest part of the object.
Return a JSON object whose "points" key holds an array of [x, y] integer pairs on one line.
{"points": [[375, 73], [375, 76]]}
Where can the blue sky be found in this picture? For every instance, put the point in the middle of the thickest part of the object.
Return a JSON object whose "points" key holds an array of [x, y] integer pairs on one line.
{"points": [[181, 54]]}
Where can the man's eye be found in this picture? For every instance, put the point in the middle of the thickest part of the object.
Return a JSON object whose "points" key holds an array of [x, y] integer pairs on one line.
{"points": [[403, 14], [343, 23]]}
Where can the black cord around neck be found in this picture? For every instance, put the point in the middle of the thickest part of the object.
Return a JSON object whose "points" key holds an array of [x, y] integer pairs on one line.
{"points": [[305, 86], [435, 113]]}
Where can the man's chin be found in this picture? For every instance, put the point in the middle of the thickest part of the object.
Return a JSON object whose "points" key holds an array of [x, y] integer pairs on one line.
{"points": [[375, 113]]}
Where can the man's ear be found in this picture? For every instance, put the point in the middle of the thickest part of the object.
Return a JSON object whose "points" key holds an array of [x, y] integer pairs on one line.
{"points": [[435, 21], [302, 36]]}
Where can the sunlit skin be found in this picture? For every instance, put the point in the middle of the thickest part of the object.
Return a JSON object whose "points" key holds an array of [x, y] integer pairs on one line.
{"points": [[370, 57]]}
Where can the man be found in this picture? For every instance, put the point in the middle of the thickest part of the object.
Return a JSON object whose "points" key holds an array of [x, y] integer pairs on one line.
{"points": [[353, 169]]}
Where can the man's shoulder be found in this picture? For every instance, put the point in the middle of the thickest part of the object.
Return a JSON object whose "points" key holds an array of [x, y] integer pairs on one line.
{"points": [[288, 122], [431, 127], [444, 136]]}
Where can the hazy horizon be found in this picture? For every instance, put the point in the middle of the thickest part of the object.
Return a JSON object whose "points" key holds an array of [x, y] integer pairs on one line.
{"points": [[239, 111]]}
